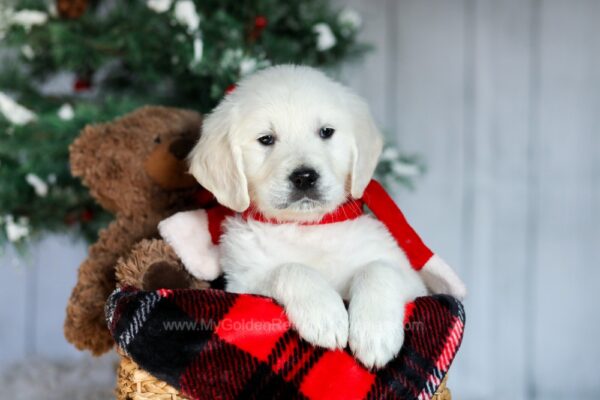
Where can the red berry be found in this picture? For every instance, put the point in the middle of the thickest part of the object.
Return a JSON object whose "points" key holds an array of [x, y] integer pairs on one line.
{"points": [[230, 88], [260, 22], [87, 215], [82, 84]]}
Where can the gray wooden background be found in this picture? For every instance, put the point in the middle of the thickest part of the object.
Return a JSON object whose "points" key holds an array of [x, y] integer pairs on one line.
{"points": [[502, 99]]}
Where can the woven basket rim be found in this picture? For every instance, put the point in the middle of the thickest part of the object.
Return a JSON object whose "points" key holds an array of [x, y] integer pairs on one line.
{"points": [[136, 384]]}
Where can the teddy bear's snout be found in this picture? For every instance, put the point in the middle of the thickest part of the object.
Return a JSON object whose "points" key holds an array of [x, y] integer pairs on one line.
{"points": [[180, 148], [166, 165]]}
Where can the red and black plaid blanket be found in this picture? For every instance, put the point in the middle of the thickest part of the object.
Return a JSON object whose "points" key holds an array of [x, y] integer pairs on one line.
{"points": [[211, 344]]}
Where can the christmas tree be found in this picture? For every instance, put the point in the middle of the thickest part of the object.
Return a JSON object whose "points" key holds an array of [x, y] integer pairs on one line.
{"points": [[118, 55]]}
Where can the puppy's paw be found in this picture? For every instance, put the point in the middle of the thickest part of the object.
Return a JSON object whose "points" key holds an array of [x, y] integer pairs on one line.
{"points": [[321, 321], [375, 339]]}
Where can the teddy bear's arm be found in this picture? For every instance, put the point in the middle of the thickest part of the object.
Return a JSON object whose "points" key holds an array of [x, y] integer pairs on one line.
{"points": [[153, 264], [85, 326], [188, 234]]}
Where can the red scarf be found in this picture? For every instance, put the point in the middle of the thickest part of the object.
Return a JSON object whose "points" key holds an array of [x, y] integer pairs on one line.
{"points": [[375, 198], [350, 210]]}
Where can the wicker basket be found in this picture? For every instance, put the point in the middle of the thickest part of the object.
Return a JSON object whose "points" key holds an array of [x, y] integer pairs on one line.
{"points": [[134, 383]]}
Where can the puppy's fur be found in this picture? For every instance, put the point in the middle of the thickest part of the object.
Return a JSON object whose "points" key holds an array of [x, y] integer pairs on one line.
{"points": [[309, 269]]}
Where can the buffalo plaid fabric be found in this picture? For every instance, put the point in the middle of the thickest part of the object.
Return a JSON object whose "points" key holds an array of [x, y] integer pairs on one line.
{"points": [[211, 344]]}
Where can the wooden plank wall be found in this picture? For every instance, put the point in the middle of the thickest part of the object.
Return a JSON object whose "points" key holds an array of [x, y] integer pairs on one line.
{"points": [[502, 99], [33, 296]]}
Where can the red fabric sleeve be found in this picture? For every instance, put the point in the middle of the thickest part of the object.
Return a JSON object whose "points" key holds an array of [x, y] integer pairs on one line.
{"points": [[386, 210]]}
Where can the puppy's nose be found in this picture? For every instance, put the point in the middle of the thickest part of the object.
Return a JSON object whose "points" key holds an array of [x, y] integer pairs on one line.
{"points": [[304, 178]]}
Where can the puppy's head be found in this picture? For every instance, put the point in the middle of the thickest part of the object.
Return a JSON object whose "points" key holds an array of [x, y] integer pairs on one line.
{"points": [[290, 141]]}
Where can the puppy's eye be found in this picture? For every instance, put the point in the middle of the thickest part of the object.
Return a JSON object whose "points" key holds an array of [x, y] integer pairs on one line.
{"points": [[267, 140], [326, 132]]}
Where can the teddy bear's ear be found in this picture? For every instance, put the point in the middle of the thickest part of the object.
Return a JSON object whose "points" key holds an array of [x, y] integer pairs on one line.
{"points": [[82, 149], [91, 161]]}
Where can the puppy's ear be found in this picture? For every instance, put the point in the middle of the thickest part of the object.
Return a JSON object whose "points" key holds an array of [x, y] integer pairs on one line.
{"points": [[366, 148], [216, 160]]}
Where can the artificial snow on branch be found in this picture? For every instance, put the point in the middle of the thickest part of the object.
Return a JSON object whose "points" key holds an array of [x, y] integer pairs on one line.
{"points": [[15, 113]]}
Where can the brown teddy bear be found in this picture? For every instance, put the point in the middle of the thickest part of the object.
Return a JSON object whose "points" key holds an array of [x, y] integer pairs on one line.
{"points": [[135, 168]]}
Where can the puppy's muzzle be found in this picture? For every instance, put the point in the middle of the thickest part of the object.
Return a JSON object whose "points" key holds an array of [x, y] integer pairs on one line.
{"points": [[304, 179]]}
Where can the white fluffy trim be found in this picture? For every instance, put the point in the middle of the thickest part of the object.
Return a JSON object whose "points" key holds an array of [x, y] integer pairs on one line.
{"points": [[187, 232], [440, 278]]}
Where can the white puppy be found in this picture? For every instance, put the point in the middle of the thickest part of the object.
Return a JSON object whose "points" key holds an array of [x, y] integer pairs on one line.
{"points": [[294, 145]]}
